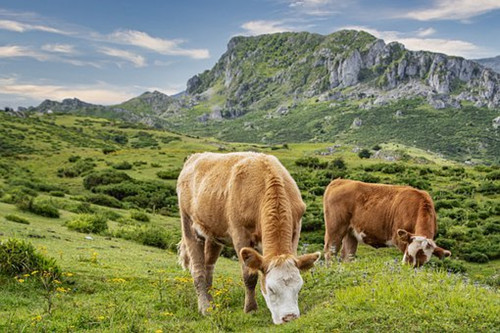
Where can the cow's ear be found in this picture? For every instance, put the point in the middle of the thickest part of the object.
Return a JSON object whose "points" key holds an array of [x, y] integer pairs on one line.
{"points": [[252, 259], [441, 253], [404, 236], [307, 261]]}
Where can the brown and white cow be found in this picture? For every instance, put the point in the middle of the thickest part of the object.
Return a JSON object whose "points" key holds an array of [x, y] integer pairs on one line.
{"points": [[380, 215], [249, 201]]}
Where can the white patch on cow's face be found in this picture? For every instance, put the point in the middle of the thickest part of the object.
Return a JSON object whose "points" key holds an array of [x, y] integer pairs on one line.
{"points": [[282, 286], [419, 251], [389, 243]]}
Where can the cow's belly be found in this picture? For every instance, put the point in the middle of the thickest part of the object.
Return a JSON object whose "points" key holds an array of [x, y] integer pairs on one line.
{"points": [[370, 239]]}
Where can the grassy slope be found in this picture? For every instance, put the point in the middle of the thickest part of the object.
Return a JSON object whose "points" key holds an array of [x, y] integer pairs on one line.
{"points": [[374, 293]]}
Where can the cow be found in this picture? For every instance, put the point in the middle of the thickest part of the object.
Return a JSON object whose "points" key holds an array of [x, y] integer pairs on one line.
{"points": [[249, 201], [380, 215]]}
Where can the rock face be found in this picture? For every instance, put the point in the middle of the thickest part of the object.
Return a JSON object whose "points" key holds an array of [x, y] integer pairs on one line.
{"points": [[305, 65], [493, 63]]}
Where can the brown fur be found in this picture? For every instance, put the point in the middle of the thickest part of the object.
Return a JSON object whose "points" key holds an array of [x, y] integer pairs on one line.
{"points": [[244, 198], [376, 210]]}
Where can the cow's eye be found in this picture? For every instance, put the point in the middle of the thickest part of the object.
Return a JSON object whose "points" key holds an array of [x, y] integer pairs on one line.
{"points": [[271, 290]]}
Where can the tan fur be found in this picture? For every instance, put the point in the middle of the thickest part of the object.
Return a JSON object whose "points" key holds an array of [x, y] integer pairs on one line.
{"points": [[244, 198], [374, 212]]}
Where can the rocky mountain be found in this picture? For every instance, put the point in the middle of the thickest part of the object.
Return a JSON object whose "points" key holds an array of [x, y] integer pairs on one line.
{"points": [[347, 86], [493, 63], [347, 64]]}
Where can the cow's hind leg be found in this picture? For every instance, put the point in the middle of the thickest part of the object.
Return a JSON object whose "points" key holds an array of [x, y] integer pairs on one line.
{"points": [[333, 240], [349, 247], [212, 253], [195, 250]]}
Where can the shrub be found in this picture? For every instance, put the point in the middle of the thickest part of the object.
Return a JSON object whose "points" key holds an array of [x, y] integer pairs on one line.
{"points": [[89, 223], [168, 174], [103, 200], [139, 216], [493, 175], [17, 219], [59, 194], [476, 257], [123, 166], [38, 207], [20, 257], [104, 178], [311, 162], [149, 235], [338, 163], [73, 158], [77, 169], [364, 153], [107, 151], [155, 165]]}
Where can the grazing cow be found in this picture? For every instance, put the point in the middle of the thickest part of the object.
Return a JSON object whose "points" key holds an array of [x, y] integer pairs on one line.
{"points": [[380, 215], [249, 201]]}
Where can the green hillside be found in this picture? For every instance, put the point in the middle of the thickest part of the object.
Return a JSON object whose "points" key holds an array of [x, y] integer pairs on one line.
{"points": [[63, 178]]}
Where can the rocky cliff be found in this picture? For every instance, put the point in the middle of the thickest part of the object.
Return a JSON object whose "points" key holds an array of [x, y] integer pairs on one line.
{"points": [[344, 65]]}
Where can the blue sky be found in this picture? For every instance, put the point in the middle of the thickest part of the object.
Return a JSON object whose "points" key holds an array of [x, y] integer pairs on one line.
{"points": [[108, 51]]}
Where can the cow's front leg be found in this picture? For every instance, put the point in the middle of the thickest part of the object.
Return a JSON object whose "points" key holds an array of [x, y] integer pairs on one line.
{"points": [[250, 280]]}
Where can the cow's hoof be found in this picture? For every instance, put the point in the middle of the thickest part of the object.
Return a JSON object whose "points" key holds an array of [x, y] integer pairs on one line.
{"points": [[250, 307]]}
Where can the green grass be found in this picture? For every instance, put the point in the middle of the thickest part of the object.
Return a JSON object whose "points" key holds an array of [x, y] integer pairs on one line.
{"points": [[120, 285]]}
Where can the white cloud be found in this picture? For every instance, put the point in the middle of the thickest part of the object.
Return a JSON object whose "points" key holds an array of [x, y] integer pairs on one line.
{"points": [[137, 60], [319, 7], [59, 48], [98, 94], [16, 51], [23, 27], [412, 42], [162, 46], [426, 32], [453, 10], [263, 27]]}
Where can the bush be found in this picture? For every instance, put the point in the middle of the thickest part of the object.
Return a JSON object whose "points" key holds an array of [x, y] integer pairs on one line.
{"points": [[17, 219], [107, 151], [311, 162], [123, 166], [73, 158], [364, 153], [149, 235], [59, 194], [478, 257], [493, 175], [89, 223], [139, 216], [103, 200], [338, 163], [168, 174], [20, 257], [38, 207], [77, 169], [104, 178]]}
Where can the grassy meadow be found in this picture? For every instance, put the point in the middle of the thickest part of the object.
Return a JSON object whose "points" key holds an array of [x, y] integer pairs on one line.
{"points": [[98, 197]]}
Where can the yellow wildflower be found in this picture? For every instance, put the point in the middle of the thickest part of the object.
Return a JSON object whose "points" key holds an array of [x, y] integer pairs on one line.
{"points": [[159, 331], [34, 272], [101, 318], [20, 280]]}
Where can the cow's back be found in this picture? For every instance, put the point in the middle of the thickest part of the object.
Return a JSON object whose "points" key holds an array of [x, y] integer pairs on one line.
{"points": [[216, 190]]}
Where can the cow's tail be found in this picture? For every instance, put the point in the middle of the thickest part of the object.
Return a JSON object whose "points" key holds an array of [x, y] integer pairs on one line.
{"points": [[183, 255]]}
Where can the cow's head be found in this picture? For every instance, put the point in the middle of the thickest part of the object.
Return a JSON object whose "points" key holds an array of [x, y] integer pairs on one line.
{"points": [[280, 281], [419, 249]]}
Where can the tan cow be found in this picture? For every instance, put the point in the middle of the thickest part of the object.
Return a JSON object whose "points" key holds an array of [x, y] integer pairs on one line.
{"points": [[249, 201], [380, 215]]}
